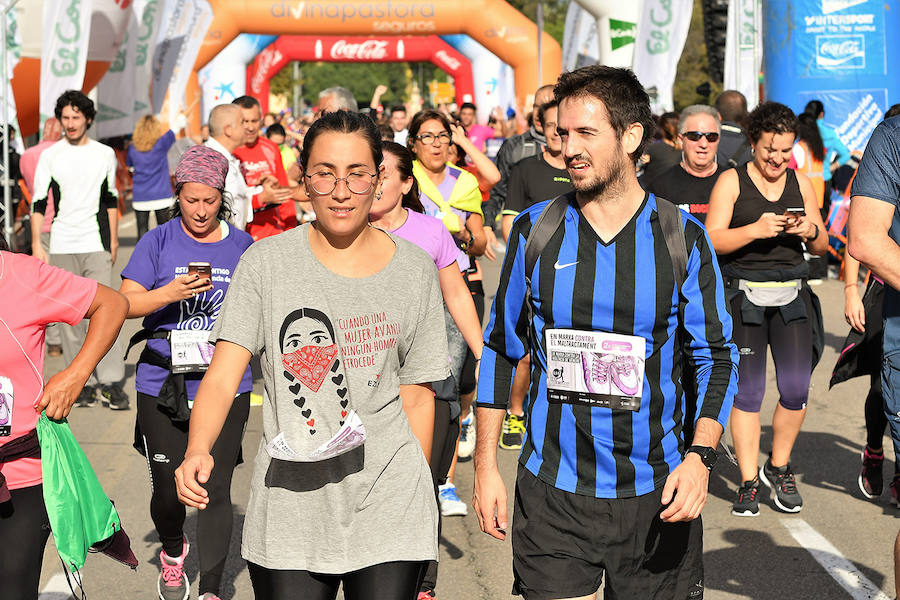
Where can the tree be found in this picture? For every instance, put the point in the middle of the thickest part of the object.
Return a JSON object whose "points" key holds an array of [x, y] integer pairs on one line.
{"points": [[693, 68]]}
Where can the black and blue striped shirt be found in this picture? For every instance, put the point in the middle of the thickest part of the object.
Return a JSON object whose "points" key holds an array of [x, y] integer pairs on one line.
{"points": [[626, 286]]}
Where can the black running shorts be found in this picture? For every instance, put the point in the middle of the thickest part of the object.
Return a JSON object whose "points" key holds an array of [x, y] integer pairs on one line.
{"points": [[563, 543]]}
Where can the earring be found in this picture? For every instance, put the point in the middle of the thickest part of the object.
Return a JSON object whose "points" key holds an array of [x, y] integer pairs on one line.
{"points": [[378, 195]]}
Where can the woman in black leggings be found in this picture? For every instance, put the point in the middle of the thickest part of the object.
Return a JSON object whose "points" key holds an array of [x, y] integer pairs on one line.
{"points": [[761, 215]]}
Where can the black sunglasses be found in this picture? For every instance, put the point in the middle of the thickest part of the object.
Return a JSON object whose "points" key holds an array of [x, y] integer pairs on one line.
{"points": [[695, 136]]}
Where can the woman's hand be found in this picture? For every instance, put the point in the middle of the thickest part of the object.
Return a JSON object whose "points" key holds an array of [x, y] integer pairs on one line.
{"points": [[60, 394], [854, 311], [186, 286], [800, 226], [458, 136], [194, 471], [769, 225]]}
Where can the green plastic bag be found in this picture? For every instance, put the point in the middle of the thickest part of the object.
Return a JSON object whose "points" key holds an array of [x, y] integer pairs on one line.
{"points": [[80, 512]]}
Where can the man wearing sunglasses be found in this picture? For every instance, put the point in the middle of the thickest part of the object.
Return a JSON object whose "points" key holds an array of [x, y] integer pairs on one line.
{"points": [[689, 183]]}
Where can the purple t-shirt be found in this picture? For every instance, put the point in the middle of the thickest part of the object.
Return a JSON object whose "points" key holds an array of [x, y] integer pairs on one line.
{"points": [[433, 210], [150, 180], [163, 253], [430, 235]]}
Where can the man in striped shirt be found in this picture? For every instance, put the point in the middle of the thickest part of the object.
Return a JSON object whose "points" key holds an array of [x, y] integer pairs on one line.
{"points": [[605, 482]]}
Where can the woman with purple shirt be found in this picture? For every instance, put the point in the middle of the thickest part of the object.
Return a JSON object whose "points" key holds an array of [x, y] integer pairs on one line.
{"points": [[177, 279], [146, 157]]}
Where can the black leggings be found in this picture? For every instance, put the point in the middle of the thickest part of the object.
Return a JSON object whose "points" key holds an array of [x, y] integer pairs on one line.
{"points": [[467, 376], [143, 219], [24, 529], [443, 448], [165, 442], [384, 581], [791, 346]]}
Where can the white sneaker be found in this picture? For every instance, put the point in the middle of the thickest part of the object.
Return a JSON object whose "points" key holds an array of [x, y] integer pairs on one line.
{"points": [[451, 505], [467, 437]]}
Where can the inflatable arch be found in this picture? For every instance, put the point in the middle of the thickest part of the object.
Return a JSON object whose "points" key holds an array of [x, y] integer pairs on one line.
{"points": [[495, 24], [222, 80], [357, 49], [494, 82]]}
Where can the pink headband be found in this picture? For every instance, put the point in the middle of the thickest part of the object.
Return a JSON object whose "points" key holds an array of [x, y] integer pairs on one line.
{"points": [[202, 164]]}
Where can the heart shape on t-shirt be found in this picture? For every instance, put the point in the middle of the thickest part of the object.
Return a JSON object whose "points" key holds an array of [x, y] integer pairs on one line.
{"points": [[310, 364]]}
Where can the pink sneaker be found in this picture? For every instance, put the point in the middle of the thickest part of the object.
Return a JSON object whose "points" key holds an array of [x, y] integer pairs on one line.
{"points": [[596, 372], [173, 583], [625, 375], [426, 595]]}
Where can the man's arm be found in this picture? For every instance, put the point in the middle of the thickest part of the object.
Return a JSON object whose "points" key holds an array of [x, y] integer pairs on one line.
{"points": [[42, 181], [869, 240]]}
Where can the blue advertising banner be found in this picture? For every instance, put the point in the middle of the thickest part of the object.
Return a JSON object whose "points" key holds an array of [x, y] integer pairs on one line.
{"points": [[836, 51]]}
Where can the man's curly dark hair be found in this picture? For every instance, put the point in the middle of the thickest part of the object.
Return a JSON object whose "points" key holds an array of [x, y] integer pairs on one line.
{"points": [[79, 101]]}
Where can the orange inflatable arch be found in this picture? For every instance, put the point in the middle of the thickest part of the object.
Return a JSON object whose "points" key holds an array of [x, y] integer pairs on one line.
{"points": [[495, 24]]}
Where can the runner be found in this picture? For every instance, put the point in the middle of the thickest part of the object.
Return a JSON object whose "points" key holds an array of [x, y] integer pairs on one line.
{"points": [[689, 183], [477, 134], [662, 155], [24, 525], [734, 147], [760, 216], [604, 487], [146, 156], [176, 279], [348, 322], [84, 236], [399, 211], [226, 134]]}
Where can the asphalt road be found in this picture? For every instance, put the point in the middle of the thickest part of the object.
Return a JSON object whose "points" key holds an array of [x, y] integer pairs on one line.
{"points": [[839, 546]]}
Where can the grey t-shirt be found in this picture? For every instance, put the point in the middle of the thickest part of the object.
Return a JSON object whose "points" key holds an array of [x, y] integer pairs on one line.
{"points": [[329, 344]]}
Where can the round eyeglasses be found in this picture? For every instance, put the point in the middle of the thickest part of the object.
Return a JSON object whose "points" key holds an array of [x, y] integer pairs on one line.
{"points": [[428, 138], [357, 182]]}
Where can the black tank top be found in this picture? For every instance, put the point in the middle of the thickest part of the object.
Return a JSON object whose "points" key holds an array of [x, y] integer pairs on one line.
{"points": [[773, 253]]}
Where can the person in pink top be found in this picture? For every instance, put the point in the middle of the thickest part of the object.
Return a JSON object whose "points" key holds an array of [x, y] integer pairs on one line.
{"points": [[34, 295], [479, 134]]}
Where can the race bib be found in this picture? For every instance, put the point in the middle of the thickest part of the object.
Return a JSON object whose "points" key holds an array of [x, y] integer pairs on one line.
{"points": [[6, 406], [191, 350], [595, 368], [351, 435]]}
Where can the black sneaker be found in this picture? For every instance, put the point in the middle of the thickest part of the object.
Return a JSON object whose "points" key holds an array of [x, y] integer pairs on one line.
{"points": [[114, 397], [781, 480], [870, 481], [87, 397], [747, 502], [513, 432]]}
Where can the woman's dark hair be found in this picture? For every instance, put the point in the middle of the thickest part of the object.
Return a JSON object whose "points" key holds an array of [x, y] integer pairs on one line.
{"points": [[770, 117], [808, 131], [308, 313], [668, 126], [342, 121], [892, 111], [405, 168], [224, 207], [814, 108], [77, 100], [419, 119], [460, 156], [622, 94]]}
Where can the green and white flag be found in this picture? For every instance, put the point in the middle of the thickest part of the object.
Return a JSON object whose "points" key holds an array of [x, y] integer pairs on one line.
{"points": [[65, 34], [13, 54], [744, 49], [148, 14], [661, 33], [116, 92]]}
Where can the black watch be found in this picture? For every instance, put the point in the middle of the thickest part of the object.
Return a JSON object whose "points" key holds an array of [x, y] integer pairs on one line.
{"points": [[708, 455]]}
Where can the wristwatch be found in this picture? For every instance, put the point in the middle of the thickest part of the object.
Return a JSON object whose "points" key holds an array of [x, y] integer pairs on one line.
{"points": [[708, 455]]}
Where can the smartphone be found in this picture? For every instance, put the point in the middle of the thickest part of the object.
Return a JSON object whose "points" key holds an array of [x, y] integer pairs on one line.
{"points": [[203, 269], [794, 214]]}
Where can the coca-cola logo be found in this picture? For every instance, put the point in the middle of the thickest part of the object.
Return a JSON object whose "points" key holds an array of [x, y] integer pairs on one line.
{"points": [[448, 60], [368, 50], [267, 59], [841, 49]]}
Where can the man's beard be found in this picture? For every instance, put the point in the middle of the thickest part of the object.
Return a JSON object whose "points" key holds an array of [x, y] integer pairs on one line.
{"points": [[599, 185]]}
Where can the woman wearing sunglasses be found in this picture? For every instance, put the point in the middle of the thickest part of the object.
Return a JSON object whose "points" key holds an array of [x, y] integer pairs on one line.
{"points": [[348, 323], [761, 217]]}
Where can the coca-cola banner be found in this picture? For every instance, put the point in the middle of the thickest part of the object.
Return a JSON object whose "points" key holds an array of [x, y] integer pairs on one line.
{"points": [[357, 49], [836, 51]]}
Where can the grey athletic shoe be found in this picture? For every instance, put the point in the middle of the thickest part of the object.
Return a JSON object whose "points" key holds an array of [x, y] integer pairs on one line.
{"points": [[781, 480], [114, 397], [87, 397], [173, 583]]}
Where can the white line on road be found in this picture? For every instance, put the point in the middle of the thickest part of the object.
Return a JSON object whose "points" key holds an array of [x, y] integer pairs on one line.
{"points": [[56, 589], [831, 559]]}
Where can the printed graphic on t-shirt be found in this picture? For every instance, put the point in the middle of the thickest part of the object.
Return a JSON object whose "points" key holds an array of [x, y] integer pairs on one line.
{"points": [[595, 368], [6, 406], [190, 349]]}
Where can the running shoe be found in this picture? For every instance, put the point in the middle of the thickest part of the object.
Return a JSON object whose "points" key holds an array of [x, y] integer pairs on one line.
{"points": [[513, 432], [625, 375], [426, 595], [451, 505], [781, 480], [466, 437], [87, 397], [747, 502], [895, 490], [209, 596], [173, 583], [870, 480], [596, 372], [114, 397]]}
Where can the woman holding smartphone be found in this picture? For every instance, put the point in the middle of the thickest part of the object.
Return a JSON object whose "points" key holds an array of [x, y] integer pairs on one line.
{"points": [[176, 279], [761, 215], [348, 323]]}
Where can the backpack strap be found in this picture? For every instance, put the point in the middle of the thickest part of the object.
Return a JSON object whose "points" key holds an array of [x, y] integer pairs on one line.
{"points": [[673, 231]]}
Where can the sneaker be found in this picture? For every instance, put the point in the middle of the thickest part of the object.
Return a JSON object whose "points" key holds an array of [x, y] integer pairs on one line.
{"points": [[747, 502], [451, 505], [787, 498], [209, 596], [114, 397], [625, 375], [870, 480], [87, 397], [596, 372], [895, 490], [467, 437], [513, 432], [426, 595], [4, 410], [173, 583]]}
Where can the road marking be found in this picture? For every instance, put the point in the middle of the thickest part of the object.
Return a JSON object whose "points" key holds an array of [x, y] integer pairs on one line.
{"points": [[56, 589], [841, 570]]}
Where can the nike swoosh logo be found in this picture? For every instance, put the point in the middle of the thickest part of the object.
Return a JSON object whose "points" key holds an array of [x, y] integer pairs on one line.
{"points": [[558, 266]]}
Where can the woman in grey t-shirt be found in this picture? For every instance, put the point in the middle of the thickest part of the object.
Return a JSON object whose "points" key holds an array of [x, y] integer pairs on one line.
{"points": [[348, 323]]}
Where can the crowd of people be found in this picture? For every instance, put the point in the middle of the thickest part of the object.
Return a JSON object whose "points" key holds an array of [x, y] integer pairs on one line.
{"points": [[649, 267]]}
